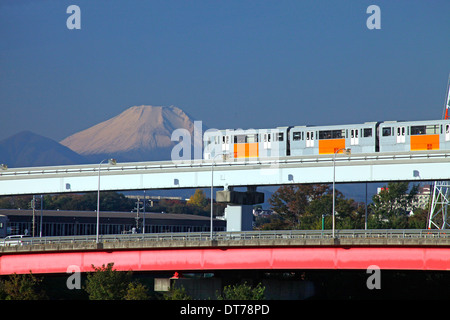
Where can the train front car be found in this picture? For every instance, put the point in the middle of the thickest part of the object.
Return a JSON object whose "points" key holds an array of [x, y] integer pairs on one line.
{"points": [[404, 136], [316, 140], [245, 144]]}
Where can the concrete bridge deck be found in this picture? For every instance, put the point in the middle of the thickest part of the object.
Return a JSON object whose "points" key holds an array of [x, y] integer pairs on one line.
{"points": [[413, 250]]}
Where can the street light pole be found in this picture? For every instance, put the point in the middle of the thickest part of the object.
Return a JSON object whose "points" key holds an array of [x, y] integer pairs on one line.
{"points": [[347, 151], [112, 162], [212, 193], [143, 215]]}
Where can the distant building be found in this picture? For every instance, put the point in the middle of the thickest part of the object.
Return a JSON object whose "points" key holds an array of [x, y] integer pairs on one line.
{"points": [[262, 213], [154, 200], [423, 197], [68, 223]]}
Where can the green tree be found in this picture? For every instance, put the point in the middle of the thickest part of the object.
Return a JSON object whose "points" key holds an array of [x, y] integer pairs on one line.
{"points": [[15, 202], [303, 206], [177, 294], [392, 205], [198, 199], [419, 219], [107, 283], [136, 291], [242, 292], [292, 201], [22, 287]]}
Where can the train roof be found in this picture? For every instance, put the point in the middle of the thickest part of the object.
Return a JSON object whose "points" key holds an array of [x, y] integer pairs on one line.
{"points": [[353, 125], [416, 121], [372, 123]]}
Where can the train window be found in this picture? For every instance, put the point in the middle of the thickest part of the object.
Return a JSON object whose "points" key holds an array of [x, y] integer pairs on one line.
{"points": [[433, 129], [367, 132], [387, 131], [266, 137], [252, 138], [325, 134], [296, 136], [280, 136], [418, 130], [331, 134], [337, 134], [240, 138]]}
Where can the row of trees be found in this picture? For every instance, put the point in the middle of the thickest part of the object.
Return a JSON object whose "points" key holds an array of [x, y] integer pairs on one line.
{"points": [[106, 283], [198, 203], [295, 207], [310, 206], [109, 201]]}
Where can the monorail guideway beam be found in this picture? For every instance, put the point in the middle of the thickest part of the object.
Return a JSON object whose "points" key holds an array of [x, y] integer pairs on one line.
{"points": [[358, 168]]}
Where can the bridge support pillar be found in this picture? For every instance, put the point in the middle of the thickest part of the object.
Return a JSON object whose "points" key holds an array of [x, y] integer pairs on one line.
{"points": [[239, 217], [239, 211], [249, 197]]}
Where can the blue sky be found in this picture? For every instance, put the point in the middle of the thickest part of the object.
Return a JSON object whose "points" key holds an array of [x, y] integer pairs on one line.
{"points": [[231, 64]]}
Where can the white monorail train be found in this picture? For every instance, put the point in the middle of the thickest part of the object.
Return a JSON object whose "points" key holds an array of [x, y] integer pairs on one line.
{"points": [[369, 137]]}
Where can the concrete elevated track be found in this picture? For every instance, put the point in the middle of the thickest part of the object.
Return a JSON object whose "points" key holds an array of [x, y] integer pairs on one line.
{"points": [[358, 168]]}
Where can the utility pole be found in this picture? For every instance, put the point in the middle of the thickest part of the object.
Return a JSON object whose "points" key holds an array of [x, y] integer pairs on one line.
{"points": [[138, 207], [33, 206], [42, 209], [143, 214]]}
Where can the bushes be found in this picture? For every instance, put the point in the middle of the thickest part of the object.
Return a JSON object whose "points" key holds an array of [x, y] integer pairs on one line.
{"points": [[106, 283], [21, 287]]}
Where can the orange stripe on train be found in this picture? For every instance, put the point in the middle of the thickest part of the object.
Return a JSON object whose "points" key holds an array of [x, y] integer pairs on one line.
{"points": [[425, 142], [246, 150], [330, 146]]}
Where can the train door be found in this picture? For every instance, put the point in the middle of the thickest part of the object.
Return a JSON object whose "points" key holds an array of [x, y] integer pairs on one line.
{"points": [[447, 132], [309, 139], [267, 142], [354, 137], [226, 143], [401, 135]]}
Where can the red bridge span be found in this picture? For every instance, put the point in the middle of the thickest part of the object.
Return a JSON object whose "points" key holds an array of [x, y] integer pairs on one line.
{"points": [[210, 255]]}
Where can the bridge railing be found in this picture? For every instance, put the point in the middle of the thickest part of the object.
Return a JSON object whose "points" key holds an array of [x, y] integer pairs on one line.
{"points": [[241, 235]]}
